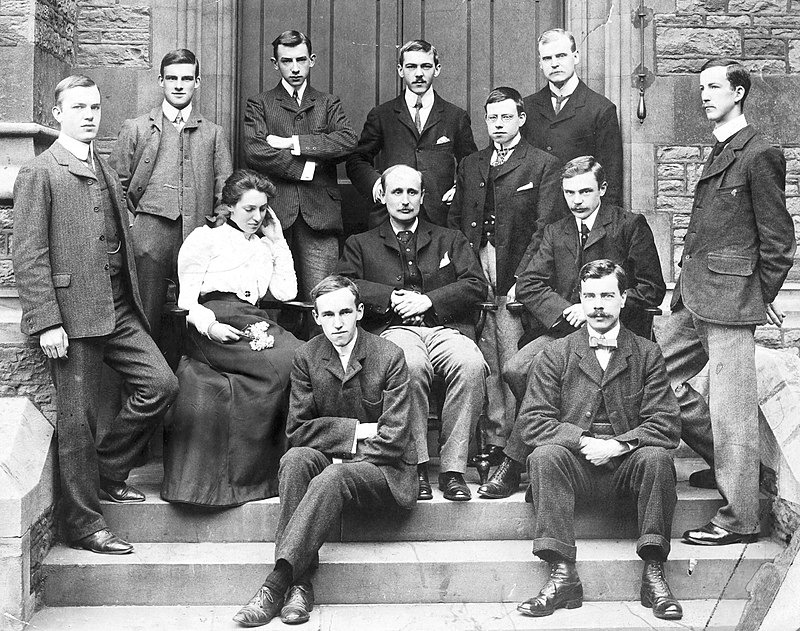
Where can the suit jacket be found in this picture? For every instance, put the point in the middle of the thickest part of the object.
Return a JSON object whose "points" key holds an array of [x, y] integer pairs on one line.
{"points": [[325, 137], [526, 189], [60, 258], [568, 385], [740, 243], [327, 405], [390, 131], [586, 125], [136, 150], [451, 275], [550, 283]]}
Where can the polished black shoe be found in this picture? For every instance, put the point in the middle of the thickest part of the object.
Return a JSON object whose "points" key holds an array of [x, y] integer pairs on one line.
{"points": [[713, 535], [453, 487], [703, 479], [120, 492], [103, 542], [656, 594], [425, 492], [299, 603], [493, 455], [562, 589], [262, 608], [504, 481]]}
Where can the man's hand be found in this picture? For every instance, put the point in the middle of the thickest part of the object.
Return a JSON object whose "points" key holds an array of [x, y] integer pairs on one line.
{"points": [[511, 294], [366, 430], [408, 304], [223, 333], [54, 342], [447, 198], [599, 451], [280, 142], [775, 315], [574, 315]]}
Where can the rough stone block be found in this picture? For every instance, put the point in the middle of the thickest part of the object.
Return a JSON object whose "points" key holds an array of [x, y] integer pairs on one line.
{"points": [[757, 6], [673, 19], [707, 42], [793, 205], [667, 66], [677, 154], [671, 171], [678, 204], [786, 33], [701, 6], [680, 221], [764, 47], [737, 21], [693, 173], [117, 16], [765, 66], [671, 187], [777, 21], [794, 55], [103, 55]]}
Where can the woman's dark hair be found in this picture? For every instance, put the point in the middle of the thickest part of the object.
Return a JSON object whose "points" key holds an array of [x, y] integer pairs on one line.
{"points": [[237, 184]]}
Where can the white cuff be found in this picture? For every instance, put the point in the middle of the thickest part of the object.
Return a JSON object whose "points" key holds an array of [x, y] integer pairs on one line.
{"points": [[308, 171], [296, 145]]}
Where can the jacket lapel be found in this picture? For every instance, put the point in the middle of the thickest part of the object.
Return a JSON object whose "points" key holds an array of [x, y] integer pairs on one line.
{"points": [[544, 104], [403, 116], [588, 360], [484, 162], [576, 100], [387, 234], [728, 155], [516, 158], [570, 236], [66, 158], [423, 236], [598, 229], [435, 114], [618, 363], [331, 362]]}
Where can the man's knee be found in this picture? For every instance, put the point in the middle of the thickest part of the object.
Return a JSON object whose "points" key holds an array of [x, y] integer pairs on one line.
{"points": [[296, 459], [546, 457], [163, 386], [419, 365], [654, 458]]}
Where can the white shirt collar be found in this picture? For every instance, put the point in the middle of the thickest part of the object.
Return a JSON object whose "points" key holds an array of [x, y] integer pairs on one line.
{"points": [[171, 112], [608, 335], [510, 145], [413, 227], [290, 89], [726, 130], [568, 88], [80, 150], [346, 351], [589, 221], [411, 99]]}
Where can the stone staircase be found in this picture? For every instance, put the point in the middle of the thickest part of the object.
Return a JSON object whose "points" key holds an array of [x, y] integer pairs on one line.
{"points": [[445, 566]]}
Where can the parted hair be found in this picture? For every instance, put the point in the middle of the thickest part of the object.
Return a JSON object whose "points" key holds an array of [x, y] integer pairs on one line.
{"points": [[72, 81], [584, 164], [332, 283], [602, 268], [554, 34], [415, 45], [735, 72], [237, 184], [180, 56], [504, 93], [290, 38]]}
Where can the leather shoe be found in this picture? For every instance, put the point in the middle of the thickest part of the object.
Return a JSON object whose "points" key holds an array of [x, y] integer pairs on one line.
{"points": [[655, 592], [453, 487], [703, 479], [504, 481], [299, 602], [425, 492], [262, 608], [562, 589], [713, 535], [492, 454], [103, 542], [120, 492]]}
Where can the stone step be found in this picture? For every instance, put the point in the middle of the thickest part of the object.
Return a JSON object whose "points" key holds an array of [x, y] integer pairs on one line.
{"points": [[391, 572], [605, 616], [437, 520]]}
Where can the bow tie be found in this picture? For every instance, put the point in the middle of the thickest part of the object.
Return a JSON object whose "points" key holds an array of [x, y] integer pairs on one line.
{"points": [[601, 342]]}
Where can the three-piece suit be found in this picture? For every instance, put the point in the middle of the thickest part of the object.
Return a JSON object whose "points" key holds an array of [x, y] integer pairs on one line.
{"points": [[390, 131]]}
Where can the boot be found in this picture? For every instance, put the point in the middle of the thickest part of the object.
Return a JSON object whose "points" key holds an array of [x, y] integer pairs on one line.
{"points": [[655, 592], [504, 481], [562, 589]]}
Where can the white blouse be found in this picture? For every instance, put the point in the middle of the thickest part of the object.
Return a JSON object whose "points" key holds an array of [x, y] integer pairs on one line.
{"points": [[228, 260]]}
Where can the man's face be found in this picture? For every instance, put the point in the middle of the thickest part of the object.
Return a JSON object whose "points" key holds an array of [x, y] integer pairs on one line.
{"points": [[418, 71], [294, 63], [582, 194], [602, 301], [78, 113], [557, 60], [403, 196], [503, 121], [337, 314], [179, 82], [720, 99]]}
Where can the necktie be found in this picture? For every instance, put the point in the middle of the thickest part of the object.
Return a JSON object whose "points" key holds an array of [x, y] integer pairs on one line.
{"points": [[560, 98], [502, 156], [601, 342], [417, 117], [179, 121], [584, 234], [404, 236], [718, 149], [296, 97]]}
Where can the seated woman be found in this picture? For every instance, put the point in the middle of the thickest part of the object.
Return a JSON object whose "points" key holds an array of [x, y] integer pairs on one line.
{"points": [[225, 436]]}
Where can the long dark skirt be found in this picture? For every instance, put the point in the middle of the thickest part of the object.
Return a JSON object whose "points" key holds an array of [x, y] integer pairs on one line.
{"points": [[226, 431]]}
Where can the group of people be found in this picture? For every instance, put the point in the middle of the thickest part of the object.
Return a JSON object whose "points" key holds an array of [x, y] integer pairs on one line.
{"points": [[573, 389]]}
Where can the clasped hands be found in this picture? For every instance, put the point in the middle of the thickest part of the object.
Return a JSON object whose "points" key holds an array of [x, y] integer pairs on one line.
{"points": [[410, 305], [599, 451]]}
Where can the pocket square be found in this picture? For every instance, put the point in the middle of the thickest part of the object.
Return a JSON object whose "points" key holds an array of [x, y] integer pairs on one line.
{"points": [[525, 187], [445, 261], [442, 140]]}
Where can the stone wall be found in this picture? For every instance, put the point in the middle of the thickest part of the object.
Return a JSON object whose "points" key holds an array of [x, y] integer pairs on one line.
{"points": [[111, 34]]}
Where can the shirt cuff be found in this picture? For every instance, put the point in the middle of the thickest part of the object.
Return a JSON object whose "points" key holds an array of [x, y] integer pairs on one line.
{"points": [[308, 171], [295, 145]]}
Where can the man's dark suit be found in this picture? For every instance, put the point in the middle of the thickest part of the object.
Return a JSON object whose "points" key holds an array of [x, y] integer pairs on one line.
{"points": [[327, 404], [738, 250], [62, 270], [390, 131], [566, 394], [587, 125], [526, 189]]}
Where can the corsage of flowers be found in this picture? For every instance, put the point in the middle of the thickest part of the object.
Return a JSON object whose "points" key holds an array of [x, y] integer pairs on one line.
{"points": [[259, 337]]}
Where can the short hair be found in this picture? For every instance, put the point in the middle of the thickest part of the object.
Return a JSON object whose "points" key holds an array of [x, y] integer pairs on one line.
{"points": [[503, 93], [332, 283], [735, 72], [394, 168], [554, 34], [602, 268], [584, 164], [180, 56], [416, 45], [72, 81], [243, 180], [290, 38]]}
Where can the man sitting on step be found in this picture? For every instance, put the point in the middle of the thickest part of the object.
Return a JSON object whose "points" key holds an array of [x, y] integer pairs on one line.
{"points": [[351, 446], [599, 413]]}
